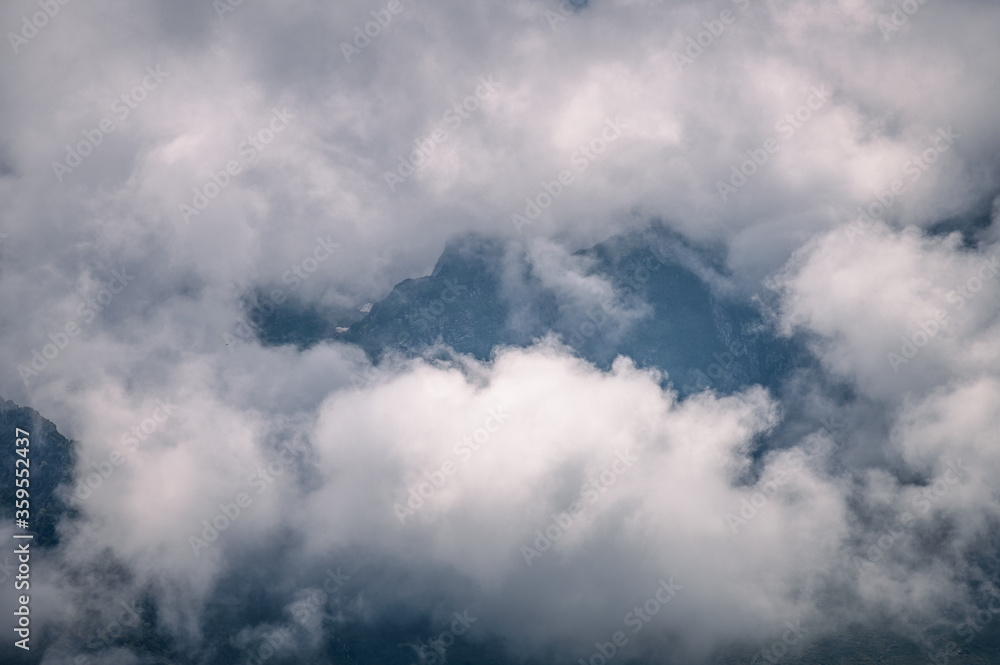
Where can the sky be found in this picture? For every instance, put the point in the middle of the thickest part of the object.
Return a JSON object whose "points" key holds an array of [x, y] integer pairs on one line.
{"points": [[158, 161]]}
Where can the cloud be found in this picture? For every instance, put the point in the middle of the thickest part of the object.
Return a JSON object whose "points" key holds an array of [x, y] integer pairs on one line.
{"points": [[473, 474], [900, 316], [896, 313]]}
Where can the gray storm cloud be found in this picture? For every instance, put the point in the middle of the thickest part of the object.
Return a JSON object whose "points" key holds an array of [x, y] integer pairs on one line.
{"points": [[121, 121]]}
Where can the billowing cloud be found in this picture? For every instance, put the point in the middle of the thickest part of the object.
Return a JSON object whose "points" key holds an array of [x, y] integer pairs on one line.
{"points": [[161, 166]]}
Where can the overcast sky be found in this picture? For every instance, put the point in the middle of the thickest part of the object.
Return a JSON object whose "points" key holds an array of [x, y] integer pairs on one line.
{"points": [[248, 139]]}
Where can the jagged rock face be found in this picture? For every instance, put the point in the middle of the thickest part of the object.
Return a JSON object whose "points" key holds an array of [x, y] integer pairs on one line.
{"points": [[50, 464], [670, 309]]}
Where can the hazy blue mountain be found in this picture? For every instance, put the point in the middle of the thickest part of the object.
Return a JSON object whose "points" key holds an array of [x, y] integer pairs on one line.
{"points": [[460, 304], [50, 463], [484, 293]]}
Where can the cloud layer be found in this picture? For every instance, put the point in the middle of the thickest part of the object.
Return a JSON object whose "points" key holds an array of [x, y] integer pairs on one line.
{"points": [[159, 163]]}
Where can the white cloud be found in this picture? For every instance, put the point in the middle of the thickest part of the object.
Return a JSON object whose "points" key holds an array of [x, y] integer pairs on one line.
{"points": [[856, 295]]}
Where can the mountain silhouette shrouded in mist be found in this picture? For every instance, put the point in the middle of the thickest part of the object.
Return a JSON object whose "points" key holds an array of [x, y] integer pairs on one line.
{"points": [[654, 299]]}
